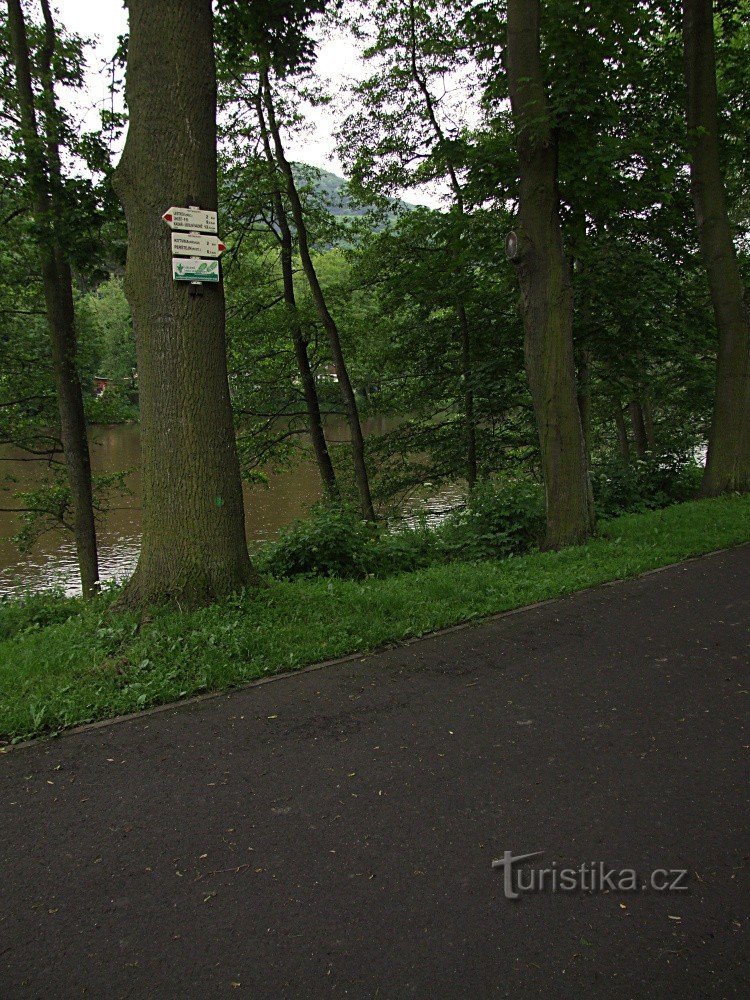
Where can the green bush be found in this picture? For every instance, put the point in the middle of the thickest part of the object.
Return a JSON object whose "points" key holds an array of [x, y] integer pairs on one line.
{"points": [[332, 541], [113, 406], [498, 521], [646, 484]]}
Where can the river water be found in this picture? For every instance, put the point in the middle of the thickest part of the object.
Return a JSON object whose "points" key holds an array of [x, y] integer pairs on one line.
{"points": [[52, 561]]}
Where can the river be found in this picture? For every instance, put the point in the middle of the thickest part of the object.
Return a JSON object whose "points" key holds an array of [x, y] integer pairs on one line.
{"points": [[52, 561]]}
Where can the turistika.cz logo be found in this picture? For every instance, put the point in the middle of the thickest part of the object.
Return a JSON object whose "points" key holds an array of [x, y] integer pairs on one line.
{"points": [[590, 876]]}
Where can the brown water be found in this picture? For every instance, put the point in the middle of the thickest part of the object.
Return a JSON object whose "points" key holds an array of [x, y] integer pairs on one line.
{"points": [[52, 562]]}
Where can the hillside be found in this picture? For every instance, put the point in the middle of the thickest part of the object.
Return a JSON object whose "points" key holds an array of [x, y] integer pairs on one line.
{"points": [[333, 189]]}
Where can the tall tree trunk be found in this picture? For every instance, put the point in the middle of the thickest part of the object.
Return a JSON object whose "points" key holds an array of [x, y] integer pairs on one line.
{"points": [[327, 320], [640, 437], [309, 389], [464, 328], [194, 547], [546, 292], [622, 433], [44, 174], [728, 460]]}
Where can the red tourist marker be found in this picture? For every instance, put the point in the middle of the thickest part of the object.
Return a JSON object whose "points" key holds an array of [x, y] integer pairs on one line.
{"points": [[167, 217], [222, 248]]}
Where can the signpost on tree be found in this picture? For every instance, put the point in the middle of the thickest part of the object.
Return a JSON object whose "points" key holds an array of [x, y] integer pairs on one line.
{"points": [[194, 547]]}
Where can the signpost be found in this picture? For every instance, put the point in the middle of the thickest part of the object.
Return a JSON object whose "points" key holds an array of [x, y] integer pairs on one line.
{"points": [[194, 269], [195, 246], [192, 219]]}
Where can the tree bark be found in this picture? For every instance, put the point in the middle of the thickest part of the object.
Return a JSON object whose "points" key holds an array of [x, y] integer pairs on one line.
{"points": [[45, 180], [309, 389], [584, 399], [648, 421], [329, 324], [728, 460], [194, 547], [546, 291], [640, 436], [622, 433]]}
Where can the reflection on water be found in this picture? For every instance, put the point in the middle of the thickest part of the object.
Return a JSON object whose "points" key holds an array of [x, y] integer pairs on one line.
{"points": [[52, 562]]}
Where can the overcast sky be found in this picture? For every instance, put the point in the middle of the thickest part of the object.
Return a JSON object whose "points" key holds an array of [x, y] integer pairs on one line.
{"points": [[104, 20]]}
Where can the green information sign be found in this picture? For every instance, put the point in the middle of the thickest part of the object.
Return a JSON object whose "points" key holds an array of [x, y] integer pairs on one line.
{"points": [[194, 269]]}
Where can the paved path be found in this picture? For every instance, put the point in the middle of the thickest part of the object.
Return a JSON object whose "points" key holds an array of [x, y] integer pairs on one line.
{"points": [[332, 834]]}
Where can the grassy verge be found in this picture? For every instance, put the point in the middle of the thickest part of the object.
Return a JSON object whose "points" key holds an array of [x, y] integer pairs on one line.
{"points": [[63, 662]]}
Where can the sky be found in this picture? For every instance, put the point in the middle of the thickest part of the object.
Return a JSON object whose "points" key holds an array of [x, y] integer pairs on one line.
{"points": [[103, 21]]}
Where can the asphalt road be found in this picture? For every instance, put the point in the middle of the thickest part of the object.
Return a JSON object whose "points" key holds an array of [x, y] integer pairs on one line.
{"points": [[332, 834]]}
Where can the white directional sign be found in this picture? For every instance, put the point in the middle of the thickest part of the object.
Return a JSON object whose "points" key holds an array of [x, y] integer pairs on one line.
{"points": [[196, 245], [194, 220], [194, 269]]}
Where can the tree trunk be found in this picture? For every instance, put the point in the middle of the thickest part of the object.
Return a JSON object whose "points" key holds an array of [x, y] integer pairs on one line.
{"points": [[460, 307], [584, 399], [728, 460], [194, 548], [622, 433], [648, 421], [45, 179], [640, 437], [309, 389], [329, 324], [546, 291], [469, 418]]}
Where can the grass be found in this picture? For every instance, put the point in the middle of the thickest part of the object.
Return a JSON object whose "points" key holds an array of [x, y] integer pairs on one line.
{"points": [[65, 662]]}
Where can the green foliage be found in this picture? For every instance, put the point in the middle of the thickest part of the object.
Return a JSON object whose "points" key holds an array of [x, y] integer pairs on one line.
{"points": [[64, 662], [114, 406], [48, 506], [645, 484], [333, 541], [497, 521]]}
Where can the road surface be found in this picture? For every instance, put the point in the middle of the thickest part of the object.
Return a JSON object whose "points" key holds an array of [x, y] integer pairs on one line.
{"points": [[332, 834]]}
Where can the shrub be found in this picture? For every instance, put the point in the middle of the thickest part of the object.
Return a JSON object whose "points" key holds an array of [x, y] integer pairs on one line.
{"points": [[646, 484], [332, 541], [498, 521], [113, 406]]}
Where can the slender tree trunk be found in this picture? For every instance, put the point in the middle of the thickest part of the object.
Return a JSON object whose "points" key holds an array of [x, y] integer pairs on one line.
{"points": [[309, 389], [546, 291], [640, 437], [584, 399], [43, 171], [728, 460], [194, 547], [467, 375], [622, 433], [648, 421], [464, 328], [329, 324]]}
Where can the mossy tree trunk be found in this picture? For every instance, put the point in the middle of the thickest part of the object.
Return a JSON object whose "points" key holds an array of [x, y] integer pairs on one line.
{"points": [[42, 162], [546, 289], [728, 460], [194, 548]]}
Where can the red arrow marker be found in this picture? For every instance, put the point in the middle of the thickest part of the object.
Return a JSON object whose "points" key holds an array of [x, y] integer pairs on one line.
{"points": [[167, 217], [222, 248]]}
